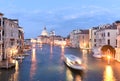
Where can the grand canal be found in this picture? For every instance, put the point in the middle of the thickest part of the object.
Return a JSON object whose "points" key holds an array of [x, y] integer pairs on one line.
{"points": [[46, 64]]}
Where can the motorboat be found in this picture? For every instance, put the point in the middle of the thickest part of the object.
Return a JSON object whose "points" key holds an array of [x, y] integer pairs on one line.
{"points": [[19, 57], [73, 62], [97, 55]]}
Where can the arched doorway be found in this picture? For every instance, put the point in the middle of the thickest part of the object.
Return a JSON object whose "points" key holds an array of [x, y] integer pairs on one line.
{"points": [[108, 49]]}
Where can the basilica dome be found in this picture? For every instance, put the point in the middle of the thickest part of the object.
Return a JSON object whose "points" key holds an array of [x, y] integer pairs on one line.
{"points": [[44, 32]]}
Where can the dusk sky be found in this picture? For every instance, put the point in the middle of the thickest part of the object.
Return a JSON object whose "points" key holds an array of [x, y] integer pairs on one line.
{"points": [[62, 16]]}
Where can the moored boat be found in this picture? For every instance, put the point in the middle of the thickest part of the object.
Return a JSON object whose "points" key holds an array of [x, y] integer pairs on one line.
{"points": [[97, 55], [19, 57], [73, 62]]}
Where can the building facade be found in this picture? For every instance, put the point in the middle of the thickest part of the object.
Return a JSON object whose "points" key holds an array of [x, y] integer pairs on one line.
{"points": [[117, 55], [44, 37], [10, 37], [106, 35], [21, 40], [1, 35], [92, 37], [79, 39], [74, 38], [84, 39]]}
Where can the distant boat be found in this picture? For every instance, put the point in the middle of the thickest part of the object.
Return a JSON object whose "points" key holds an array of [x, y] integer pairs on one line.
{"points": [[97, 55], [73, 62], [19, 57]]}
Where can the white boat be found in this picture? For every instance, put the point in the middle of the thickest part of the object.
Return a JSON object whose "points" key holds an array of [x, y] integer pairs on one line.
{"points": [[97, 55], [18, 57], [73, 62]]}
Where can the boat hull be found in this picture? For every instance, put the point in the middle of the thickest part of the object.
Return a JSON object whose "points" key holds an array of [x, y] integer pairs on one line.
{"points": [[69, 62], [97, 56]]}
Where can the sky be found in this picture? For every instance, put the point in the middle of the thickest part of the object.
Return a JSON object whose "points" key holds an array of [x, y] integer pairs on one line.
{"points": [[62, 16]]}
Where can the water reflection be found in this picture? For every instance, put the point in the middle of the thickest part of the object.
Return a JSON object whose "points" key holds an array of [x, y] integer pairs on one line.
{"points": [[33, 45], [77, 78], [33, 64], [7, 75], [73, 75], [108, 74], [14, 77], [84, 58], [51, 51], [62, 49], [62, 53], [69, 76], [40, 46]]}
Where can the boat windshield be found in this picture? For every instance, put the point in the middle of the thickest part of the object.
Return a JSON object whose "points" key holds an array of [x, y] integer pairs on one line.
{"points": [[76, 62]]}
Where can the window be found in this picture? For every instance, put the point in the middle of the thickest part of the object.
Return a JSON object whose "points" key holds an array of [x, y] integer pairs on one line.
{"points": [[83, 37], [104, 34], [116, 42], [94, 40], [108, 41], [95, 45], [94, 33], [11, 33], [12, 43], [108, 34], [118, 31]]}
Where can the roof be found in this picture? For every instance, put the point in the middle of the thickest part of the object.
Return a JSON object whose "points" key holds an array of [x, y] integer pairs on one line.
{"points": [[1, 14]]}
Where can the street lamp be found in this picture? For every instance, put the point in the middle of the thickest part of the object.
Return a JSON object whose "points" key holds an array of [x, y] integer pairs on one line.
{"points": [[108, 56]]}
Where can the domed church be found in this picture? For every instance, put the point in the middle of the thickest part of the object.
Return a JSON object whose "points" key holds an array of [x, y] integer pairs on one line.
{"points": [[44, 32]]}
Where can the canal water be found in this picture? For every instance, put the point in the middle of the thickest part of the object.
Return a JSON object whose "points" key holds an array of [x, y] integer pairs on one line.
{"points": [[46, 64]]}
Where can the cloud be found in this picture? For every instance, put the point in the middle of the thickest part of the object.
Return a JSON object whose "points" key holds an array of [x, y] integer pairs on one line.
{"points": [[66, 18]]}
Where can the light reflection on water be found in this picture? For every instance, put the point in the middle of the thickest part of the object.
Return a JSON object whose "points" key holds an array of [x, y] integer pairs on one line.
{"points": [[69, 76], [14, 77], [33, 64], [62, 53], [62, 49], [52, 67], [108, 74], [73, 75], [51, 51], [78, 78], [84, 58]]}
